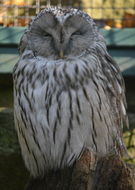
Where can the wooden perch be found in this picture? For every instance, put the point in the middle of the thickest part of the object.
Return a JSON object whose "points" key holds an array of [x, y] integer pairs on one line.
{"points": [[110, 173]]}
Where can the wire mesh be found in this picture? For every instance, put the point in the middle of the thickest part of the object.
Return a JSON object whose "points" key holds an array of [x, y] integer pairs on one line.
{"points": [[107, 13]]}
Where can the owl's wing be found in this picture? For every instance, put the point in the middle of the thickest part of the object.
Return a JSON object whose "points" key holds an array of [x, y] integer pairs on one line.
{"points": [[115, 88]]}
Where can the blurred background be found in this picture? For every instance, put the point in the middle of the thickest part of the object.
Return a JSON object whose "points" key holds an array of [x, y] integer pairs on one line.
{"points": [[116, 21], [110, 13]]}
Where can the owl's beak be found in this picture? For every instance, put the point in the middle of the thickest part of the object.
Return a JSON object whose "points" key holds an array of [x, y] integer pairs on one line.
{"points": [[61, 53]]}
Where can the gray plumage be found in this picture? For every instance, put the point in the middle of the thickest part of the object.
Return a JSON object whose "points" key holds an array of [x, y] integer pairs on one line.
{"points": [[68, 92]]}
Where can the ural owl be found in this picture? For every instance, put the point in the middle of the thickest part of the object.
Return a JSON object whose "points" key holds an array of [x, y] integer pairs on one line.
{"points": [[68, 92]]}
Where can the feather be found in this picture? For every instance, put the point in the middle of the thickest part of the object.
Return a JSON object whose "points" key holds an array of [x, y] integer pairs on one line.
{"points": [[64, 106]]}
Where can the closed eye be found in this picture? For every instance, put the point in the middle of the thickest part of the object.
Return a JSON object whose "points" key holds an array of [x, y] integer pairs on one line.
{"points": [[77, 33], [47, 35]]}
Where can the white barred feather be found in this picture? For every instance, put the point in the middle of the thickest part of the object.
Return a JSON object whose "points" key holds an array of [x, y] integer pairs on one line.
{"points": [[63, 106]]}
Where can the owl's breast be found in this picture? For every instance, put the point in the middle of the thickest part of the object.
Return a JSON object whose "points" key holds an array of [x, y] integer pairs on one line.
{"points": [[60, 108]]}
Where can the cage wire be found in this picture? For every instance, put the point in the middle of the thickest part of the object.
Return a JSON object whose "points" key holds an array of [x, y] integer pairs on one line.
{"points": [[107, 13]]}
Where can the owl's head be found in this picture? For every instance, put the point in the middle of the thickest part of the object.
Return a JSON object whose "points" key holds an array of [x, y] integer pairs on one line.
{"points": [[58, 33]]}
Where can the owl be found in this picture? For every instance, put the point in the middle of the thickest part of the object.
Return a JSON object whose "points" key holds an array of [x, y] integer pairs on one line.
{"points": [[69, 94]]}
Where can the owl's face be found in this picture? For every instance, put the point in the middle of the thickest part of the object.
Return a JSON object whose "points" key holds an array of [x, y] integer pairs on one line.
{"points": [[59, 34]]}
